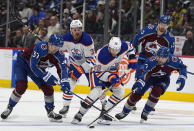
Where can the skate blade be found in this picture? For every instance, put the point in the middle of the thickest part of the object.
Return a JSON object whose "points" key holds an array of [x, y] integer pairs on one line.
{"points": [[142, 121], [54, 120], [103, 122], [64, 115], [75, 121]]}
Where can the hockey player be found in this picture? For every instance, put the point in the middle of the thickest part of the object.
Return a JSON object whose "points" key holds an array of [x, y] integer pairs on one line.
{"points": [[80, 47], [156, 75], [33, 63], [152, 38], [106, 67]]}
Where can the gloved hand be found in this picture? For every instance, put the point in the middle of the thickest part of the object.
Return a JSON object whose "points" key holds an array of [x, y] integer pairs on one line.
{"points": [[181, 82], [65, 86], [114, 80], [132, 65], [76, 72], [50, 79], [138, 84]]}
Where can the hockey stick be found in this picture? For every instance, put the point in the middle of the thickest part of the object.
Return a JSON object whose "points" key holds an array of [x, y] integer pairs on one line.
{"points": [[90, 105], [91, 126], [108, 89]]}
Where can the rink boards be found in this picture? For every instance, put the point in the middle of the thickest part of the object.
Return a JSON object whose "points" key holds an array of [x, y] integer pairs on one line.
{"points": [[8, 58]]}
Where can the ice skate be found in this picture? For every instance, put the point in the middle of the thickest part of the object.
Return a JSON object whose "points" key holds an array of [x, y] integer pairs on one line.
{"points": [[104, 119], [121, 115], [7, 112], [64, 111], [144, 117], [77, 118], [53, 117]]}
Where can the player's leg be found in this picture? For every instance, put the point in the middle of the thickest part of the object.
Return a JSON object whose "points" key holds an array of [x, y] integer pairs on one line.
{"points": [[132, 100], [49, 102], [151, 102], [67, 97], [156, 92], [48, 97], [117, 95], [20, 73], [92, 96]]}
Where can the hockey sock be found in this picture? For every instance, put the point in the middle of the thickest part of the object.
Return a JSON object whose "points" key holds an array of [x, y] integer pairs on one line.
{"points": [[153, 99], [67, 97], [131, 102], [111, 102], [49, 101]]}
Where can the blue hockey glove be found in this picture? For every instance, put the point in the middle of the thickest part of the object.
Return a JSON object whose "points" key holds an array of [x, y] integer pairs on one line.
{"points": [[50, 79], [181, 82], [114, 80], [132, 65], [138, 84], [65, 86]]}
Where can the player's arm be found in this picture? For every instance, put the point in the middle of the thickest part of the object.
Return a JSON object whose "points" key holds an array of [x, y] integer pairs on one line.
{"points": [[35, 57], [172, 44], [89, 55], [182, 72], [132, 59], [141, 34]]}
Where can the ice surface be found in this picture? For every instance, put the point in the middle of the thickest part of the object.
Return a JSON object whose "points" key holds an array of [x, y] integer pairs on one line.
{"points": [[30, 115]]}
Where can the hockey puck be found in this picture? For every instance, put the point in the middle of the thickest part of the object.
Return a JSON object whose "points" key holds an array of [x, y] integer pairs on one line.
{"points": [[91, 126]]}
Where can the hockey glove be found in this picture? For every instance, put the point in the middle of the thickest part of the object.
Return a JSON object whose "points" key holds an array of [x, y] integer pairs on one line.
{"points": [[50, 79], [114, 80], [181, 82], [139, 84], [65, 86], [76, 72]]}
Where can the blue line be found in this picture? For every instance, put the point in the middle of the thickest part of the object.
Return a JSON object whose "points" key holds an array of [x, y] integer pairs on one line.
{"points": [[139, 124]]}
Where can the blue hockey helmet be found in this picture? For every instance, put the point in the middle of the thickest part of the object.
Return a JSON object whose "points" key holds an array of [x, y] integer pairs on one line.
{"points": [[165, 19], [163, 52], [56, 39]]}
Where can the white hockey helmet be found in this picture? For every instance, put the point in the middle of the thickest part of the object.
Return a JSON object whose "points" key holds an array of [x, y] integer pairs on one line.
{"points": [[115, 43], [75, 24]]}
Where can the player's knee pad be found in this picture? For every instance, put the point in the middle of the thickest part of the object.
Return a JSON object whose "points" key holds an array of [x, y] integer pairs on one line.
{"points": [[118, 91], [21, 87], [133, 99], [47, 89], [85, 105], [155, 93]]}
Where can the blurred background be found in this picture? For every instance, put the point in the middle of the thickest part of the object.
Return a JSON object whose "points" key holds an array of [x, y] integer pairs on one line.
{"points": [[101, 19]]}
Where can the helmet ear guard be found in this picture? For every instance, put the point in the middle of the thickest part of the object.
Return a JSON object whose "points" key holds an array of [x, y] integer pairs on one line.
{"points": [[56, 39]]}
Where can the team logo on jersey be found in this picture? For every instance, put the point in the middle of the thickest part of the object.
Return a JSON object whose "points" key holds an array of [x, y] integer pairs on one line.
{"points": [[44, 46], [159, 73], [152, 47], [77, 54], [174, 59]]}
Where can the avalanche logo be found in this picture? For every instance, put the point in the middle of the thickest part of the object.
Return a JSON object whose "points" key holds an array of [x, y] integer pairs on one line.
{"points": [[152, 47], [78, 55], [159, 73]]}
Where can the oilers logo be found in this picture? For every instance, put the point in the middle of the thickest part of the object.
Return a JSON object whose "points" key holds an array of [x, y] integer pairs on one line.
{"points": [[152, 47], [78, 55]]}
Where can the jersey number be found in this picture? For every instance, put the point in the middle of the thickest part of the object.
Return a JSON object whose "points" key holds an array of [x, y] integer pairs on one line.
{"points": [[35, 54]]}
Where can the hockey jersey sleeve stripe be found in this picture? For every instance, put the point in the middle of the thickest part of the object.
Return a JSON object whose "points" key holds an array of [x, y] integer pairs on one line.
{"points": [[133, 61]]}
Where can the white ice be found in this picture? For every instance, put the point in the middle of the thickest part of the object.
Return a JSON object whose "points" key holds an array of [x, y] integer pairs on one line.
{"points": [[30, 115]]}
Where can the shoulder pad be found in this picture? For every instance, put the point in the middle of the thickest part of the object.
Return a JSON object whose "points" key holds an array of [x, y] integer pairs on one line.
{"points": [[104, 56], [86, 39]]}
